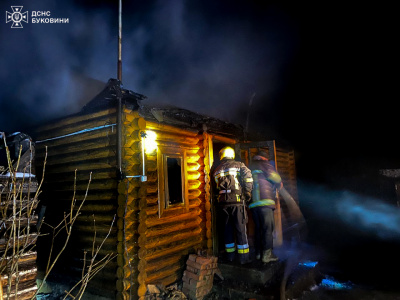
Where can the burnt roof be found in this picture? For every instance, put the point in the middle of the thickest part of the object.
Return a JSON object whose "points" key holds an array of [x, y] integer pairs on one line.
{"points": [[162, 114], [169, 115], [186, 119], [108, 96]]}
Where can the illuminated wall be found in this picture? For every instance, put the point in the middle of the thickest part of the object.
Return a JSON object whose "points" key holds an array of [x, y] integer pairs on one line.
{"points": [[159, 232]]}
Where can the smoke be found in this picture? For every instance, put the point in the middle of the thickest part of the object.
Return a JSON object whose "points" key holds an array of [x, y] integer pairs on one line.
{"points": [[44, 65], [209, 65], [203, 57], [370, 215], [352, 212], [354, 236]]}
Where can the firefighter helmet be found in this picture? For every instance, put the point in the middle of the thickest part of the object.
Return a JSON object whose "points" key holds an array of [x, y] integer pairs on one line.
{"points": [[263, 154], [226, 152]]}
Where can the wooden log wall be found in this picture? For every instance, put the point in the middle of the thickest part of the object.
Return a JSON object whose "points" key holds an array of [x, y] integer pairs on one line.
{"points": [[131, 201], [155, 248], [86, 143], [287, 170]]}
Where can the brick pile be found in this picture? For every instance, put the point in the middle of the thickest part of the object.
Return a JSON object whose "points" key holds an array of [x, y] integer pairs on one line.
{"points": [[198, 276]]}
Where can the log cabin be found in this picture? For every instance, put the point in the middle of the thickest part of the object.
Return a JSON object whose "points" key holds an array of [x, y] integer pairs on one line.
{"points": [[150, 171]]}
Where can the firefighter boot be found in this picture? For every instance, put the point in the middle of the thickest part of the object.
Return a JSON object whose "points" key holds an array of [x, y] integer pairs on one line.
{"points": [[244, 259], [230, 256], [268, 256]]}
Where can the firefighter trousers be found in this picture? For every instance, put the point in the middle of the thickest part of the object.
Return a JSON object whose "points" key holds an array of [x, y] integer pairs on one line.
{"points": [[263, 218], [235, 219]]}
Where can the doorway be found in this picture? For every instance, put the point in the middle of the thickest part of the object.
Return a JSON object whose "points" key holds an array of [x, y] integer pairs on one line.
{"points": [[217, 224]]}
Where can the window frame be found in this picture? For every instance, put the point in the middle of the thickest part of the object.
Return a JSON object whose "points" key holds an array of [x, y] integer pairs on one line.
{"points": [[162, 173]]}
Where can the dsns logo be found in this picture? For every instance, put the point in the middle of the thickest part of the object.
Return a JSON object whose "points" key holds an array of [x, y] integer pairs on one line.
{"points": [[16, 17]]}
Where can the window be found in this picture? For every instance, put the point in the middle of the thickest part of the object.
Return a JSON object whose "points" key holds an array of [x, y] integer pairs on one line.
{"points": [[172, 181]]}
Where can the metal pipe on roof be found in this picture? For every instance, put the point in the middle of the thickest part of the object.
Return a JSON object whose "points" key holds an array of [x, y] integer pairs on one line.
{"points": [[119, 94], [119, 131], [119, 66]]}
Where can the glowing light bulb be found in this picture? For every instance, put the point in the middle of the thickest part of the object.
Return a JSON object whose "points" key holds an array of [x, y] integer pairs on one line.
{"points": [[150, 143]]}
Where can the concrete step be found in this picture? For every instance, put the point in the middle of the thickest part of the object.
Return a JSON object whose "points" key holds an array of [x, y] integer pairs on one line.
{"points": [[255, 274], [225, 292], [263, 281]]}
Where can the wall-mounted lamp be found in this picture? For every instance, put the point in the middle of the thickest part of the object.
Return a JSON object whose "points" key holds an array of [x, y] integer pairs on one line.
{"points": [[149, 144], [149, 140]]}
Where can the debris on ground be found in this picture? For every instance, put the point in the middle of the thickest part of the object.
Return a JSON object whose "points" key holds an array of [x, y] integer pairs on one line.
{"points": [[160, 292]]}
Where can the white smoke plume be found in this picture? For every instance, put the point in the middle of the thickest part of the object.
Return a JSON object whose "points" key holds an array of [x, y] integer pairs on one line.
{"points": [[203, 57]]}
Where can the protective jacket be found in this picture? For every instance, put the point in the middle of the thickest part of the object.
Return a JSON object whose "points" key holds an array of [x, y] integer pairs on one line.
{"points": [[233, 182], [266, 180]]}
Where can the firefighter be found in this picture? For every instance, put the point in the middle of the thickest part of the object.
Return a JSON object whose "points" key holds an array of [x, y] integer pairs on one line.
{"points": [[262, 205], [232, 190]]}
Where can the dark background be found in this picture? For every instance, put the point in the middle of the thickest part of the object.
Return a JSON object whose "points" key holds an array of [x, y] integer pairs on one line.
{"points": [[322, 73]]}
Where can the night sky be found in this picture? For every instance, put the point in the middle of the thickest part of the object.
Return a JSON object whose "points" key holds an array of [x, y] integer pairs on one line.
{"points": [[322, 74]]}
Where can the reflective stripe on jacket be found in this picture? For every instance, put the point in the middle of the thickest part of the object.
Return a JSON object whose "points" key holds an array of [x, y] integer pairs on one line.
{"points": [[233, 182]]}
